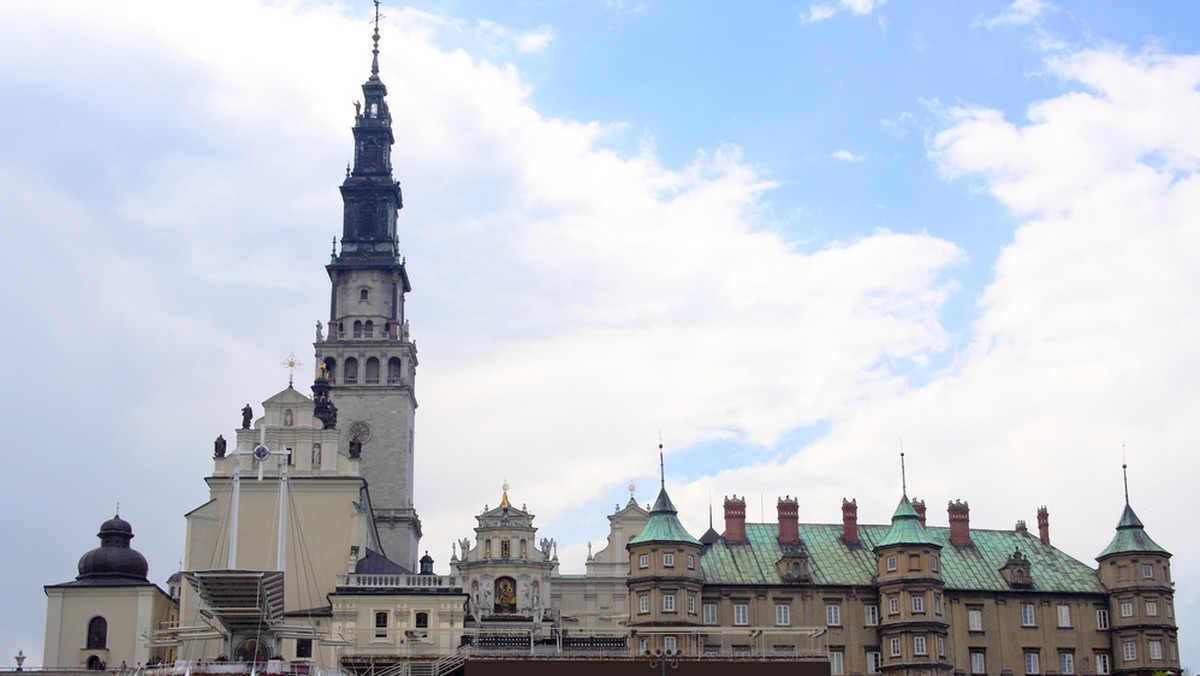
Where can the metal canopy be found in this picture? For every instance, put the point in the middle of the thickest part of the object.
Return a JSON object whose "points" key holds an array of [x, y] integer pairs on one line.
{"points": [[243, 601]]}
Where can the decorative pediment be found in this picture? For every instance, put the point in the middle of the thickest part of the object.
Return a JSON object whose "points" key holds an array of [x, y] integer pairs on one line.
{"points": [[1017, 571], [793, 564]]}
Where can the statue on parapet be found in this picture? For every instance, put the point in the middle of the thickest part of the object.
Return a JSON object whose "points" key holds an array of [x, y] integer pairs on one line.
{"points": [[219, 447], [247, 416]]}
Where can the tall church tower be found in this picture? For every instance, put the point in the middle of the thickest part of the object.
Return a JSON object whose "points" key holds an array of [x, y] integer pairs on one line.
{"points": [[371, 362]]}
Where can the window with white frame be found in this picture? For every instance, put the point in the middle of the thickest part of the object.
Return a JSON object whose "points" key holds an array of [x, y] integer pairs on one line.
{"points": [[643, 604], [710, 613], [891, 563], [833, 615], [894, 644], [874, 661], [1151, 608], [836, 662], [1066, 662], [783, 615], [1064, 615], [1027, 616], [691, 561], [974, 619], [1102, 618], [941, 641], [1147, 571], [644, 561], [1155, 650], [1174, 652], [669, 644], [871, 615], [933, 563], [668, 560], [1126, 609], [1033, 663], [894, 605], [691, 604], [919, 645], [381, 624], [741, 614], [1103, 664], [643, 644], [668, 603], [978, 662], [1129, 651], [918, 604], [937, 603]]}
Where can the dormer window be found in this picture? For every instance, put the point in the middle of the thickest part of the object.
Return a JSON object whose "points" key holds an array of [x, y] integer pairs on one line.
{"points": [[1017, 571]]}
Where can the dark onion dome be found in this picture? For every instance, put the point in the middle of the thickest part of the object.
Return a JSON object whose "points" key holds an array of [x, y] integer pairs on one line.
{"points": [[114, 561]]}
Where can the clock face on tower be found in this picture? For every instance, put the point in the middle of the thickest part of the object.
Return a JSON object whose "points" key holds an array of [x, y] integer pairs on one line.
{"points": [[361, 431]]}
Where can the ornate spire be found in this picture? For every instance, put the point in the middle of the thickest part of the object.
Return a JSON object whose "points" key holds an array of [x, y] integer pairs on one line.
{"points": [[375, 49]]}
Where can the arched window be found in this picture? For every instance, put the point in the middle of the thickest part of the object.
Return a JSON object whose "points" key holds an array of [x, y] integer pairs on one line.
{"points": [[363, 294], [358, 329], [368, 329], [331, 368], [381, 625], [97, 636], [394, 371], [350, 370], [372, 373]]}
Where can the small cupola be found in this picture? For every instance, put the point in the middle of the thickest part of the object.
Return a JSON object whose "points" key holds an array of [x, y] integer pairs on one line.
{"points": [[1017, 571]]}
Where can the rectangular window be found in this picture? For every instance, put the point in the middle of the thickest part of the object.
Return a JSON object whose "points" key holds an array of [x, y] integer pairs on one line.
{"points": [[937, 603], [894, 605], [1147, 571], [303, 648], [381, 625], [891, 563], [1032, 663], [668, 560], [1129, 651], [1066, 662], [933, 564], [644, 561], [421, 621], [1126, 610], [1156, 650], [643, 604], [833, 615], [691, 562], [669, 644], [974, 619], [836, 662], [874, 661], [1027, 617], [741, 616], [871, 618], [918, 603], [643, 644], [978, 662], [895, 646], [783, 615], [918, 645], [1064, 615], [710, 613], [1102, 618], [941, 646], [1103, 664], [1151, 608], [1170, 610], [668, 603], [691, 604]]}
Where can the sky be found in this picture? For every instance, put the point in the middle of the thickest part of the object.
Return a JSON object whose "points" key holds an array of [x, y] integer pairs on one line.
{"points": [[787, 239]]}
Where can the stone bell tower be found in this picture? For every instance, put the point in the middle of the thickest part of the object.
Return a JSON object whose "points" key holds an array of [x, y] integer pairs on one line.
{"points": [[371, 362]]}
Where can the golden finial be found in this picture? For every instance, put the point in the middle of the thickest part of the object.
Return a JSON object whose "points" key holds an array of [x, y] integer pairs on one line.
{"points": [[291, 363], [504, 497]]}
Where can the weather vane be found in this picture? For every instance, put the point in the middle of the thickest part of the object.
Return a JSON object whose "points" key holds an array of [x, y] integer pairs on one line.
{"points": [[290, 364]]}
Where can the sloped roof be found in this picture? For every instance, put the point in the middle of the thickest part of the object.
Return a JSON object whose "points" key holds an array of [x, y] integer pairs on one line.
{"points": [[375, 563], [833, 562], [663, 525], [1131, 537], [906, 528]]}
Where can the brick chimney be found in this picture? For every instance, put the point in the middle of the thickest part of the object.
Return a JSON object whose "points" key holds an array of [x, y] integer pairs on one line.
{"points": [[960, 523], [735, 519], [1044, 524], [1021, 527], [789, 519], [850, 520], [919, 507]]}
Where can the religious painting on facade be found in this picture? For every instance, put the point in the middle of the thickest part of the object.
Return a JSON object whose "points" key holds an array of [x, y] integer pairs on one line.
{"points": [[506, 595]]}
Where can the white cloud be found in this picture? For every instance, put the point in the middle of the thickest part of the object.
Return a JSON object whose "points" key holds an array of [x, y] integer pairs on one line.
{"points": [[1020, 13], [536, 40], [823, 10], [819, 12], [846, 156]]}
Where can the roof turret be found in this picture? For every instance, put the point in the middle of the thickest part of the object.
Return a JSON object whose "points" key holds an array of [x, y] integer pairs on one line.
{"points": [[906, 528]]}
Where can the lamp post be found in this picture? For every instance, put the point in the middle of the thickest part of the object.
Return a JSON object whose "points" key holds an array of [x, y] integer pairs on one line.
{"points": [[20, 659], [661, 659]]}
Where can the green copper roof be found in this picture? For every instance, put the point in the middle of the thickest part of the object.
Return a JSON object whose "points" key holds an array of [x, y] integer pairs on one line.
{"points": [[663, 525], [1131, 537], [906, 528], [832, 562]]}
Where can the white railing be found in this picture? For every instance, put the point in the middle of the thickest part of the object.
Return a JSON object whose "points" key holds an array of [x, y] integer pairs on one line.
{"points": [[399, 581]]}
